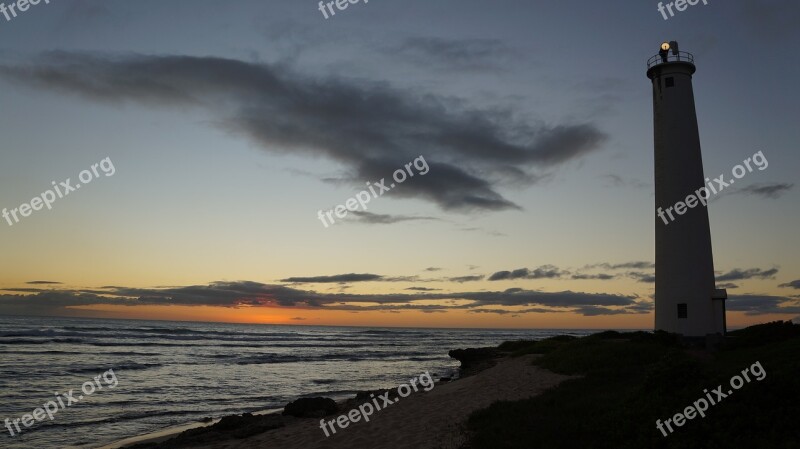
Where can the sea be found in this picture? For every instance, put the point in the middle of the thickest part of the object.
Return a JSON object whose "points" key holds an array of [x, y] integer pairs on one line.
{"points": [[172, 373]]}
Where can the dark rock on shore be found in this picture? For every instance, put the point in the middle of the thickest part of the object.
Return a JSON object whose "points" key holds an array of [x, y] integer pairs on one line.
{"points": [[363, 396], [475, 360], [228, 428], [311, 407]]}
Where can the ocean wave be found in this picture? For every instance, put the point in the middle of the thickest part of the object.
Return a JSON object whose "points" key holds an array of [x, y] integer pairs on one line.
{"points": [[121, 366], [287, 358], [28, 341]]}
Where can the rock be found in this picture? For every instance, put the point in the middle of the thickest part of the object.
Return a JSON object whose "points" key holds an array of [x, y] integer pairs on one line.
{"points": [[232, 422], [470, 356], [311, 407], [474, 360], [363, 396], [227, 429]]}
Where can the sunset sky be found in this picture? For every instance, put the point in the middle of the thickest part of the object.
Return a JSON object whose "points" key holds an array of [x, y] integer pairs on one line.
{"points": [[231, 124]]}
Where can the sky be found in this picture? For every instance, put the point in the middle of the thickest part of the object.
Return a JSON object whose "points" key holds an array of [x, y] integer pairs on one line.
{"points": [[210, 139]]}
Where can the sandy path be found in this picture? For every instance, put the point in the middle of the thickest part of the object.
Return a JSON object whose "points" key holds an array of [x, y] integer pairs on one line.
{"points": [[431, 420]]}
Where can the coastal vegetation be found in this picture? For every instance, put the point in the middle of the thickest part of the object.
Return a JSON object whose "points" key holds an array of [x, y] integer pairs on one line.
{"points": [[629, 380]]}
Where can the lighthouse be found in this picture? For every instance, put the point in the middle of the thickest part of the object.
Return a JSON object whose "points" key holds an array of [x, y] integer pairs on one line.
{"points": [[687, 301]]}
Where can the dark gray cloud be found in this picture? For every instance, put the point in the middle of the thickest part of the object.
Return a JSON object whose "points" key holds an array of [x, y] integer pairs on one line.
{"points": [[643, 306], [648, 278], [423, 289], [519, 273], [636, 265], [350, 277], [598, 311], [254, 294], [619, 181], [433, 269], [461, 279], [520, 297], [484, 231], [369, 127], [22, 290], [543, 272], [371, 218], [51, 302], [762, 304], [599, 276], [730, 285], [733, 275], [451, 54], [406, 279], [738, 275], [770, 190], [515, 312], [42, 282], [640, 276], [792, 284]]}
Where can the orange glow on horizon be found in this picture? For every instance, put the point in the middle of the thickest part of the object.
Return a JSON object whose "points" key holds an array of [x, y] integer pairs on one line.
{"points": [[412, 318]]}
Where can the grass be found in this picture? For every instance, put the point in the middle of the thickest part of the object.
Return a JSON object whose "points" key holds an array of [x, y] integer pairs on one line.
{"points": [[631, 379]]}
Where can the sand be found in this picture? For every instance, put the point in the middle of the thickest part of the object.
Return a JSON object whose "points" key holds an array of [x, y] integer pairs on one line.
{"points": [[428, 420]]}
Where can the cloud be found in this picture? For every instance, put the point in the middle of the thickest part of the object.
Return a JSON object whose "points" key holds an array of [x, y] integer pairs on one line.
{"points": [[636, 265], [515, 312], [423, 289], [648, 278], [451, 54], [599, 276], [520, 273], [633, 265], [771, 190], [792, 284], [461, 279], [371, 218], [350, 277], [484, 231], [42, 282], [253, 294], [598, 311], [619, 181], [22, 290], [520, 297], [730, 285], [369, 127], [738, 275], [51, 302], [762, 304], [543, 272]]}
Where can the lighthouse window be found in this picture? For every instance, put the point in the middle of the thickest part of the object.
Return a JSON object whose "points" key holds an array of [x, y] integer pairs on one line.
{"points": [[669, 81], [683, 310]]}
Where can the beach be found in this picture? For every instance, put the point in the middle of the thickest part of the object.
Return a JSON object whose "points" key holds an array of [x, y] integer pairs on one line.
{"points": [[430, 420]]}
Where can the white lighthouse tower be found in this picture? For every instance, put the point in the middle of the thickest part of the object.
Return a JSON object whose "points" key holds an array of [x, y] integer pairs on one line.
{"points": [[687, 301]]}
